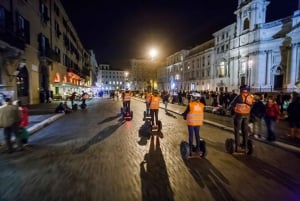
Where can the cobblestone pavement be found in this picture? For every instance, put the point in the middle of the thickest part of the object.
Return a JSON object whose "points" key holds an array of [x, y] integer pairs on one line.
{"points": [[94, 155]]}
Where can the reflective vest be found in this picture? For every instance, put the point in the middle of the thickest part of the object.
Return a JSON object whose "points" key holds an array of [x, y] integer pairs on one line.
{"points": [[196, 114], [245, 106], [126, 97], [148, 97], [154, 103]]}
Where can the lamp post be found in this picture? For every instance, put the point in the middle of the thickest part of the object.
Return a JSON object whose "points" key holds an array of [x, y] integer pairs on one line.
{"points": [[153, 54], [250, 63]]}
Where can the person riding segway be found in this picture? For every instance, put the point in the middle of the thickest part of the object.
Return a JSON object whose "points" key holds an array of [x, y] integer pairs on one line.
{"points": [[241, 113], [148, 96], [194, 116], [154, 107], [125, 110]]}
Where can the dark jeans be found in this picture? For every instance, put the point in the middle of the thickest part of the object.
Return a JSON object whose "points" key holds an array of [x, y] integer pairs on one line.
{"points": [[270, 122], [194, 130], [147, 108], [8, 131], [126, 105], [241, 123], [154, 114]]}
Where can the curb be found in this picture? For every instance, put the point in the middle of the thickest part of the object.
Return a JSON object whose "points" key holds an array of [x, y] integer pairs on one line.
{"points": [[44, 123]]}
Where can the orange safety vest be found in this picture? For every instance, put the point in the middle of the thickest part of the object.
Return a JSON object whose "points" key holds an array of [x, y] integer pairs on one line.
{"points": [[154, 103], [245, 106], [126, 97], [148, 97], [196, 114]]}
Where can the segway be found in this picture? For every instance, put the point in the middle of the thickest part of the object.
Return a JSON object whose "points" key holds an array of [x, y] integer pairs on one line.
{"points": [[156, 128], [231, 147], [147, 116], [126, 114], [185, 150]]}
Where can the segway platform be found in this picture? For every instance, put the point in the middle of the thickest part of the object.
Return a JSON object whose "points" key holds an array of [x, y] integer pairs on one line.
{"points": [[157, 127], [146, 116], [127, 115], [185, 150], [231, 147]]}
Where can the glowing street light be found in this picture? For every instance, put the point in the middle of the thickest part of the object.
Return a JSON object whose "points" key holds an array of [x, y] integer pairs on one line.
{"points": [[153, 53]]}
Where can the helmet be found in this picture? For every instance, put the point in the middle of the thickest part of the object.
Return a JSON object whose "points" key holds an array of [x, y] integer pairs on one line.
{"points": [[196, 95], [245, 88]]}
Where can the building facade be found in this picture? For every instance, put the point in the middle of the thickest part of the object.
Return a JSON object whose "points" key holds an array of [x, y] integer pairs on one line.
{"points": [[144, 74], [41, 54], [264, 55], [108, 79]]}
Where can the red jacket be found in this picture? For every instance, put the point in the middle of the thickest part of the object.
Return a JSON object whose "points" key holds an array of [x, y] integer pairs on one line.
{"points": [[25, 118]]}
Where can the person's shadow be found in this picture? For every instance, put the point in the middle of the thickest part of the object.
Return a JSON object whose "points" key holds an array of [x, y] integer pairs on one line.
{"points": [[144, 133], [206, 175], [99, 137], [154, 176], [171, 115]]}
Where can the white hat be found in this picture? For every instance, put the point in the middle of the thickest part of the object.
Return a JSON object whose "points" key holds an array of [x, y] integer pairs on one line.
{"points": [[196, 95]]}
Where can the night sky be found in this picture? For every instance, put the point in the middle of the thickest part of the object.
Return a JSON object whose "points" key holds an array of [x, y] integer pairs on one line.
{"points": [[118, 30]]}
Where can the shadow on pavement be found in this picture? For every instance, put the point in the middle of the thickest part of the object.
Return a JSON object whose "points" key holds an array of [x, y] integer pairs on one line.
{"points": [[171, 115], [206, 175], [154, 176], [270, 172], [109, 119], [99, 137]]}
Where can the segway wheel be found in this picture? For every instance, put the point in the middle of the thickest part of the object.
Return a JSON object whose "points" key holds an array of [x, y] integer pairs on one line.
{"points": [[185, 149], [159, 126], [229, 145], [203, 148], [145, 114], [131, 114], [250, 147]]}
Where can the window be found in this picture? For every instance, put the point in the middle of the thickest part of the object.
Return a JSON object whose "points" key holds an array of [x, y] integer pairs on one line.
{"points": [[22, 29], [44, 12], [221, 70], [56, 9], [246, 24], [56, 28], [43, 44]]}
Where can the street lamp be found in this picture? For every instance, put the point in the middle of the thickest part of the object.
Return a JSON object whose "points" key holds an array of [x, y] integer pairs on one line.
{"points": [[153, 53], [250, 63]]}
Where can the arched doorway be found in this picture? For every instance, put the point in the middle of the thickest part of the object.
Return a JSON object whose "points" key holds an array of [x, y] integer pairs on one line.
{"points": [[22, 82]]}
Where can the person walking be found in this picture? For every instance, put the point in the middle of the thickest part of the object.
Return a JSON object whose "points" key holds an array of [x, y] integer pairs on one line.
{"points": [[293, 111], [256, 115], [194, 116], [272, 116], [10, 118], [24, 122], [241, 113], [147, 99], [165, 98]]}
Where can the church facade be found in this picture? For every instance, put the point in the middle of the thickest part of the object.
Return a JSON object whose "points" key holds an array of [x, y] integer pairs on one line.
{"points": [[263, 55]]}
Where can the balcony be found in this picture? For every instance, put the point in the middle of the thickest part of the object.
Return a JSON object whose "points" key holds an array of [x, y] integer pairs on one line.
{"points": [[12, 38], [50, 54]]}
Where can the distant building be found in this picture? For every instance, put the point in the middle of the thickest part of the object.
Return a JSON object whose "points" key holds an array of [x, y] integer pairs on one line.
{"points": [[41, 54], [143, 74], [108, 79], [264, 55]]}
